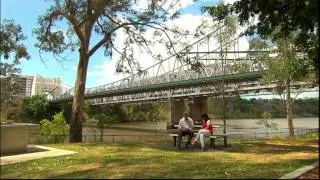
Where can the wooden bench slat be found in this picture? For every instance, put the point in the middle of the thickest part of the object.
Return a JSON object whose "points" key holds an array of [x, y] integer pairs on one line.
{"points": [[211, 137]]}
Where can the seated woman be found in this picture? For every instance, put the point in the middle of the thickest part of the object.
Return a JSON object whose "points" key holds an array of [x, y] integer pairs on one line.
{"points": [[205, 131]]}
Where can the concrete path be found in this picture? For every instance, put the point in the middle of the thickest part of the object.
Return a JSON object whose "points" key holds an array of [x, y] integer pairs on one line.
{"points": [[300, 171], [47, 152]]}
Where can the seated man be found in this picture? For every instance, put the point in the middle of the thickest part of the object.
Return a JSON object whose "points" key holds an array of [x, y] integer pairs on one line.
{"points": [[185, 128]]}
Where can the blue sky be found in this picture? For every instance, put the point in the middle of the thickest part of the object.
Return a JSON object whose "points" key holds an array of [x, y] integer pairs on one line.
{"points": [[26, 13]]}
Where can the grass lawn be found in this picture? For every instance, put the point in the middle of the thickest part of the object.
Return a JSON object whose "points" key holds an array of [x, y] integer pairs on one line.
{"points": [[244, 159]]}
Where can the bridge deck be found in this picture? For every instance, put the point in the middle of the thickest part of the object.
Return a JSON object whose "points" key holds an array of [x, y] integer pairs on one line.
{"points": [[169, 85]]}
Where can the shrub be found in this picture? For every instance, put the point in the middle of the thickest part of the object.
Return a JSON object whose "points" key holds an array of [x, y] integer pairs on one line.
{"points": [[56, 130]]}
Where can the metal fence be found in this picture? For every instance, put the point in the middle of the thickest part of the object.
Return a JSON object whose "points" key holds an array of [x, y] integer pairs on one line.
{"points": [[299, 132], [36, 138]]}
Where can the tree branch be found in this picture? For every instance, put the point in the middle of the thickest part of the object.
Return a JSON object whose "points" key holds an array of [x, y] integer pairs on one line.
{"points": [[106, 38], [143, 39], [297, 94], [72, 18], [145, 24]]}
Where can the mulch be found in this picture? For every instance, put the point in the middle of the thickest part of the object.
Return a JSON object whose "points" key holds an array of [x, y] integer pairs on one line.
{"points": [[312, 174]]}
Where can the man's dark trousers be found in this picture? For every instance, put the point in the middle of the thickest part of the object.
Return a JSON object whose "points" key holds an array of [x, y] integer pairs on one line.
{"points": [[181, 133]]}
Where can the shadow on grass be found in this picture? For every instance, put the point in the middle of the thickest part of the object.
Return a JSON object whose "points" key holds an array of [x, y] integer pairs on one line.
{"points": [[259, 147], [80, 174], [186, 169], [256, 146]]}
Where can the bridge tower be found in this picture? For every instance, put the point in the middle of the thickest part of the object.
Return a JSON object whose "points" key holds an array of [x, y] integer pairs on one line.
{"points": [[195, 106]]}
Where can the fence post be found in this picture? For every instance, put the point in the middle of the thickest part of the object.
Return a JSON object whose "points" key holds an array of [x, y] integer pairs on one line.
{"points": [[113, 139]]}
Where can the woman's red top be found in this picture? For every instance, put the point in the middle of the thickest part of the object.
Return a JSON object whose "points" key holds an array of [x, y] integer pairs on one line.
{"points": [[208, 125]]}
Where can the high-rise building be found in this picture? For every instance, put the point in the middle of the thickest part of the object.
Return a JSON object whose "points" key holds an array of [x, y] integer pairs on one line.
{"points": [[25, 85], [43, 85], [34, 85]]}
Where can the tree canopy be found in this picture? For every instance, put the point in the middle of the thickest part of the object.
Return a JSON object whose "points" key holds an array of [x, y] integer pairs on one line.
{"points": [[89, 25], [278, 19], [11, 53], [35, 108]]}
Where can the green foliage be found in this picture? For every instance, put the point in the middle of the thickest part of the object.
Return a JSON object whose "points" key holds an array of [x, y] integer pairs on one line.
{"points": [[286, 65], [243, 108], [45, 127], [241, 67], [109, 110], [147, 112], [278, 19], [285, 69], [59, 125], [103, 119], [35, 108], [10, 45], [54, 131], [11, 36], [312, 134]]}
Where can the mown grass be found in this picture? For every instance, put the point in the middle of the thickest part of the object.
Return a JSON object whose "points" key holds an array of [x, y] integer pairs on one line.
{"points": [[244, 159]]}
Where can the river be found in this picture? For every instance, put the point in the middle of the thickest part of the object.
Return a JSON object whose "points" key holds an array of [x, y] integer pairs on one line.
{"points": [[234, 126]]}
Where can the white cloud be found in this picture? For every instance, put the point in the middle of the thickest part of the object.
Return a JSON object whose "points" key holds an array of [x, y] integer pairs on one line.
{"points": [[142, 5], [105, 73], [229, 1]]}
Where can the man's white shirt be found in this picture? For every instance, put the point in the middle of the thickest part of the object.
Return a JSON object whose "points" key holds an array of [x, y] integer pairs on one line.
{"points": [[183, 125]]}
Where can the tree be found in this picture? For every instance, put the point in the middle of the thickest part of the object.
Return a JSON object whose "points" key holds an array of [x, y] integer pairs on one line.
{"points": [[58, 128], [285, 69], [102, 120], [223, 38], [266, 122], [35, 108], [12, 51], [101, 19], [298, 16], [59, 125]]}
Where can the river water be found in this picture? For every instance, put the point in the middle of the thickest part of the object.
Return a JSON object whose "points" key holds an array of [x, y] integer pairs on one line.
{"points": [[234, 126]]}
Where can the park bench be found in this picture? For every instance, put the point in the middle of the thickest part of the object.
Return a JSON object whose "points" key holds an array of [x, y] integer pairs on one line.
{"points": [[212, 139]]}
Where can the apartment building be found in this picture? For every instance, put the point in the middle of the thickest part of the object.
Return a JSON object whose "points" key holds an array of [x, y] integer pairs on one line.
{"points": [[24, 85], [44, 85]]}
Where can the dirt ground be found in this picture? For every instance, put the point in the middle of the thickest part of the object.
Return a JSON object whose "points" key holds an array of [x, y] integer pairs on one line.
{"points": [[312, 174]]}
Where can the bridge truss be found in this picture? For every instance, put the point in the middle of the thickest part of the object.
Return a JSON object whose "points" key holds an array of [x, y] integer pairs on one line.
{"points": [[196, 70]]}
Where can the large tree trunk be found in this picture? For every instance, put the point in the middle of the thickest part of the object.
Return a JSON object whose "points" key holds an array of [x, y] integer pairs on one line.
{"points": [[289, 109], [78, 100]]}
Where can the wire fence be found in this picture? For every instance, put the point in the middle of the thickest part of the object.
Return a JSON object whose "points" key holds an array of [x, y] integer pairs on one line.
{"points": [[36, 138], [299, 132]]}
